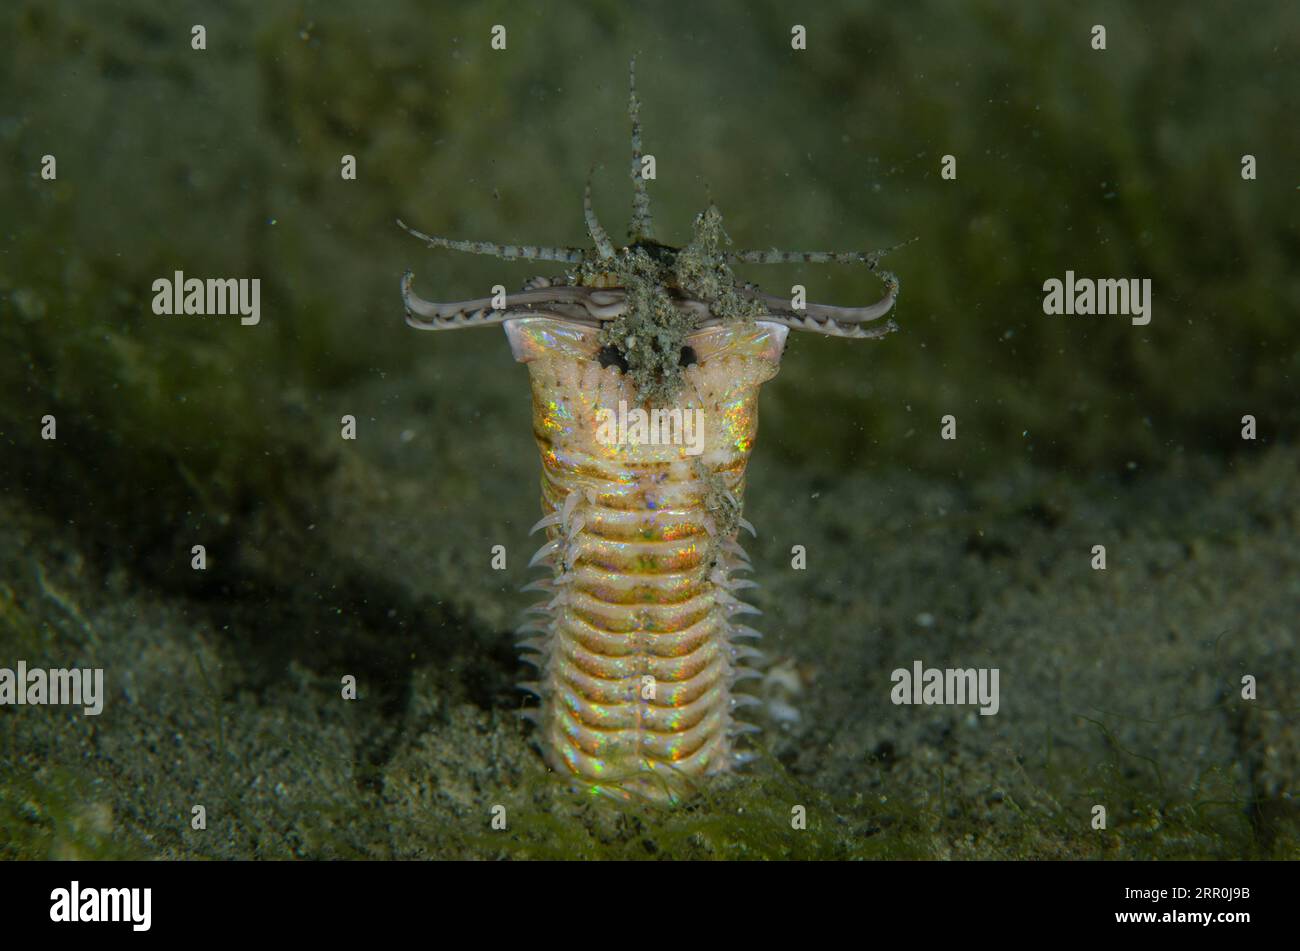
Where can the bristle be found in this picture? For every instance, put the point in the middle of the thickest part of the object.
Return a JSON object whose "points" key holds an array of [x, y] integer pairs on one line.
{"points": [[545, 522], [546, 552]]}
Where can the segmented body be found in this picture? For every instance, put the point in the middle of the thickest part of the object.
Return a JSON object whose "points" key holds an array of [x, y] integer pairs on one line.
{"points": [[639, 645]]}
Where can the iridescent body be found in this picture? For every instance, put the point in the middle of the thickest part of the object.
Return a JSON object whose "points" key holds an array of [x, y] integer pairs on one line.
{"points": [[640, 641], [640, 647]]}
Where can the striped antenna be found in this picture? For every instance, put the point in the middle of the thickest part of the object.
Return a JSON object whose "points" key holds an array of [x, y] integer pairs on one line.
{"points": [[642, 225], [869, 258], [508, 252], [604, 247]]}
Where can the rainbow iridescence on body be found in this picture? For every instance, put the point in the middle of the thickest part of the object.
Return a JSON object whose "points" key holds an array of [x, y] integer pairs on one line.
{"points": [[636, 644]]}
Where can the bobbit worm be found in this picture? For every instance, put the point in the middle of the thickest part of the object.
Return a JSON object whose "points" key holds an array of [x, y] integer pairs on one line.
{"points": [[645, 363]]}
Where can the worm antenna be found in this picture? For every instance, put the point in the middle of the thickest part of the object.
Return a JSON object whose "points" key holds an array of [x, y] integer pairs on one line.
{"points": [[642, 225], [804, 257], [869, 258], [604, 247], [508, 252], [819, 313], [580, 305]]}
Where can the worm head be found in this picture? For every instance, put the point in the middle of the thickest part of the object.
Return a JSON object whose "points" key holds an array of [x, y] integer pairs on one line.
{"points": [[646, 300]]}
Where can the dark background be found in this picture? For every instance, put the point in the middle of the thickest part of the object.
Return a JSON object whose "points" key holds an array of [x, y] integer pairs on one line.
{"points": [[368, 557]]}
